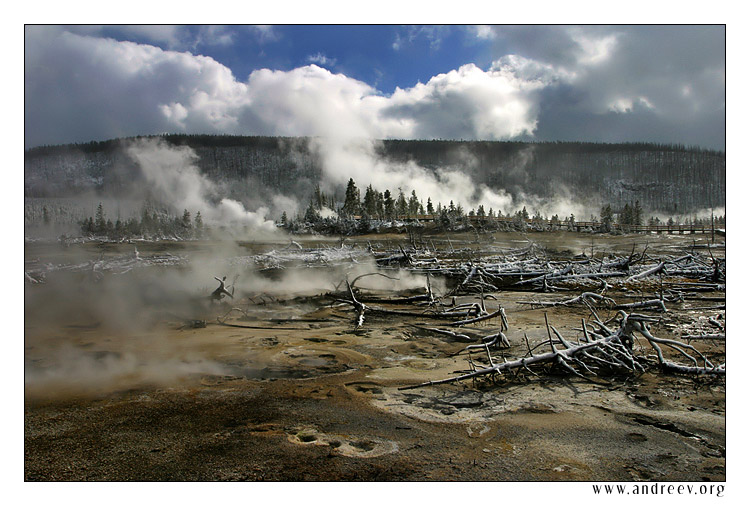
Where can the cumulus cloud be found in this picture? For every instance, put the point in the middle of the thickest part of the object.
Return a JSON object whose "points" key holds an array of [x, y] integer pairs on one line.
{"points": [[467, 103], [548, 83], [623, 83], [116, 89]]}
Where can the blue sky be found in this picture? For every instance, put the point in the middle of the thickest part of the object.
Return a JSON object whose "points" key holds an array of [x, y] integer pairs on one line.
{"points": [[384, 56], [596, 83]]}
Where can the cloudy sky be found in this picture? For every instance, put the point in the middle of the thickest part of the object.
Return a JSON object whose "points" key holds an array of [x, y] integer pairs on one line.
{"points": [[524, 82]]}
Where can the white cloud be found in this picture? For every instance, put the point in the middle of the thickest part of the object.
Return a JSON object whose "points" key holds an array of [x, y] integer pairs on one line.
{"points": [[321, 59], [433, 34], [593, 49], [214, 35], [122, 88], [526, 69], [626, 104], [265, 33], [101, 88], [484, 32], [467, 103]]}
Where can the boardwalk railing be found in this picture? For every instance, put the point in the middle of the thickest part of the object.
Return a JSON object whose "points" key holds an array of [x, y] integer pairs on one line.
{"points": [[583, 225]]}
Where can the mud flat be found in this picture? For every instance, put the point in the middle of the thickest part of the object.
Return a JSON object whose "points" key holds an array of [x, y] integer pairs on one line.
{"points": [[293, 392]]}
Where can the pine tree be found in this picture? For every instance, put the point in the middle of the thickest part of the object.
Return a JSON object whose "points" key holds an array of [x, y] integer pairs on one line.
{"points": [[430, 209], [370, 203], [198, 224], [413, 204], [186, 222], [351, 200], [311, 215], [318, 198], [100, 223], [402, 207], [626, 217], [146, 225], [389, 206]]}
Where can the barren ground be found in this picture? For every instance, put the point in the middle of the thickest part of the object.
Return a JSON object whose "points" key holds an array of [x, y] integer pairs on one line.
{"points": [[308, 398]]}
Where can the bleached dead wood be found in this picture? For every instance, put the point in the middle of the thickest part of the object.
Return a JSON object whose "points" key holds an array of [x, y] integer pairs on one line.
{"points": [[587, 298], [354, 281], [612, 350], [450, 333], [362, 308], [648, 272], [646, 304], [500, 312], [546, 277]]}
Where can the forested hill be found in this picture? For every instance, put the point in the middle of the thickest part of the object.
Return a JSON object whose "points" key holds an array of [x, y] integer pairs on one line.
{"points": [[666, 178]]}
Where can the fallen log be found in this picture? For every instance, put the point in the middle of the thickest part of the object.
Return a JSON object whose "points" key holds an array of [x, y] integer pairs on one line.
{"points": [[585, 298], [611, 351], [648, 272], [500, 312], [646, 304]]}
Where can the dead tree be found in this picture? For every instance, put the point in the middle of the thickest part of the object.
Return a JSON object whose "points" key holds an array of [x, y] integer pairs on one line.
{"points": [[610, 351], [221, 291]]}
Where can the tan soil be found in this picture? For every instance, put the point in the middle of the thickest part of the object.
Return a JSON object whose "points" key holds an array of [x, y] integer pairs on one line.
{"points": [[314, 400]]}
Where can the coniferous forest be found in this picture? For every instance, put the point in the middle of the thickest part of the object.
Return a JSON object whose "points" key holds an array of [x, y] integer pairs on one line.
{"points": [[660, 179]]}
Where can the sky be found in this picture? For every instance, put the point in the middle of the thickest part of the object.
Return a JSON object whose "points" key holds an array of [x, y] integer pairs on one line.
{"points": [[621, 83]]}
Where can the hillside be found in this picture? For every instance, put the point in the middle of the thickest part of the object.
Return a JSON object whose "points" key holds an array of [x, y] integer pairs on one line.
{"points": [[664, 178]]}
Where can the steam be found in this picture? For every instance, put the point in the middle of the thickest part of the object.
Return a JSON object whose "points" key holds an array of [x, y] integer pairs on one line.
{"points": [[175, 180], [72, 370], [101, 330], [345, 158]]}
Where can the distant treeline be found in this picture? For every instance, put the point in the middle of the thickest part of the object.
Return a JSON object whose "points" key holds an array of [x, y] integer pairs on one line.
{"points": [[667, 178]]}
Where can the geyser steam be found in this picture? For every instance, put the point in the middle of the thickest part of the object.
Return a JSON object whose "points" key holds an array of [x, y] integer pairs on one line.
{"points": [[176, 181]]}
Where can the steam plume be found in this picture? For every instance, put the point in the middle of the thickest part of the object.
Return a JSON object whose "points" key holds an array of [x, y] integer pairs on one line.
{"points": [[176, 181]]}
